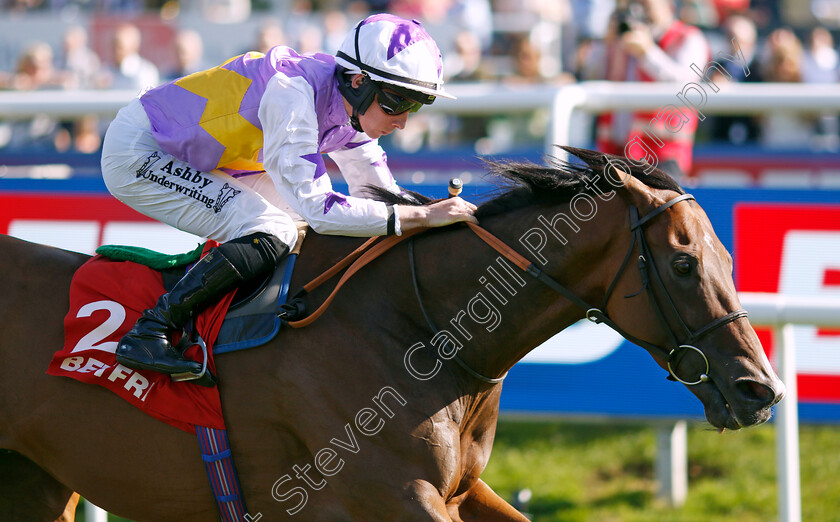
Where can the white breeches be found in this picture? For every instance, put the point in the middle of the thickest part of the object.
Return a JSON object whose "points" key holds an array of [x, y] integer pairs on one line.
{"points": [[213, 204]]}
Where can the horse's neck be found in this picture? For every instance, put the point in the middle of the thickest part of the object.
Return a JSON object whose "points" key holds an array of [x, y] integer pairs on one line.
{"points": [[505, 311], [493, 312]]}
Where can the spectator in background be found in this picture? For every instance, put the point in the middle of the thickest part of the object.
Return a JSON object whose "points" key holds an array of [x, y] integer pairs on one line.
{"points": [[529, 65], [34, 71], [782, 62], [820, 64], [519, 130], [130, 70], [84, 66], [783, 56], [310, 39], [526, 62], [645, 42], [740, 129], [336, 26], [270, 35], [189, 52], [22, 6], [224, 11], [475, 16], [78, 59], [465, 64], [82, 135], [741, 29]]}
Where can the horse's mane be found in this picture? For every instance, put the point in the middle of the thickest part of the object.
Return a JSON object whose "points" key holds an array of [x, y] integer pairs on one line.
{"points": [[523, 183]]}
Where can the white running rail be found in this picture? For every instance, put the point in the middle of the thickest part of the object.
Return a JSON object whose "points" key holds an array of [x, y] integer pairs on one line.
{"points": [[782, 312]]}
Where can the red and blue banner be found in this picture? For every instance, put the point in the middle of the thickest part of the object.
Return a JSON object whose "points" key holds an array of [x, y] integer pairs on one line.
{"points": [[782, 240]]}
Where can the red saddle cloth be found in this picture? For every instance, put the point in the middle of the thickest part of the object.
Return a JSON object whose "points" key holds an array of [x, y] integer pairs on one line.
{"points": [[106, 299]]}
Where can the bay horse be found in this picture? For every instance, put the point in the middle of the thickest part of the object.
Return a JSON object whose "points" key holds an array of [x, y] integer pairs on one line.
{"points": [[364, 414]]}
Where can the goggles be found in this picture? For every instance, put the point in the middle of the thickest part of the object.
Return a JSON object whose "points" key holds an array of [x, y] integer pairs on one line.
{"points": [[393, 104]]}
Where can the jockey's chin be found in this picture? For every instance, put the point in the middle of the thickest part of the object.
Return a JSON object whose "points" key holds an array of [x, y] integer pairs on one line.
{"points": [[375, 133]]}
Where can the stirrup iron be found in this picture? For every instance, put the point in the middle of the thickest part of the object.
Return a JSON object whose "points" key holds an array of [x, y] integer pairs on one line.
{"points": [[202, 378]]}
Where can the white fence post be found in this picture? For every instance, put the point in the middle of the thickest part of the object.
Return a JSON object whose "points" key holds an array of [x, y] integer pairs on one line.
{"points": [[94, 513], [787, 429], [672, 462], [782, 312], [733, 98]]}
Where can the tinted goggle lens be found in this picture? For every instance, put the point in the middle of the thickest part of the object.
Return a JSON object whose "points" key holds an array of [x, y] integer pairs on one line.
{"points": [[393, 104]]}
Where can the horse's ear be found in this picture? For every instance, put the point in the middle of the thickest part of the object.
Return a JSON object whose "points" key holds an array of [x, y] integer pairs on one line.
{"points": [[616, 173], [610, 172], [613, 172]]}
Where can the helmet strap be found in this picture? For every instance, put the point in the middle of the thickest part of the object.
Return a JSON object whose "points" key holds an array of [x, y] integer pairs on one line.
{"points": [[355, 123], [359, 97]]}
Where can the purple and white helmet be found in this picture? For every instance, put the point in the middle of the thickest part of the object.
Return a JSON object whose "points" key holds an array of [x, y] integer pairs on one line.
{"points": [[396, 51]]}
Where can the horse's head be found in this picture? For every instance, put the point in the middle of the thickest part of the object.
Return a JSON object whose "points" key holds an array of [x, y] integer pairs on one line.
{"points": [[675, 296], [645, 261]]}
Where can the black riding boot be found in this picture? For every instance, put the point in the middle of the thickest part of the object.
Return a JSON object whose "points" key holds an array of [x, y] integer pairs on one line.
{"points": [[147, 346]]}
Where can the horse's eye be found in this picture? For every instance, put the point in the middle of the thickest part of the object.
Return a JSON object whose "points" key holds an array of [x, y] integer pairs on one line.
{"points": [[682, 268]]}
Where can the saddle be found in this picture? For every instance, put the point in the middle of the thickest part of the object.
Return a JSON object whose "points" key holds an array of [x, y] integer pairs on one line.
{"points": [[259, 307]]}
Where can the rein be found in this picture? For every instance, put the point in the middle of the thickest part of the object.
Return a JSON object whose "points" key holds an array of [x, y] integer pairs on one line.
{"points": [[370, 250], [646, 268], [376, 246]]}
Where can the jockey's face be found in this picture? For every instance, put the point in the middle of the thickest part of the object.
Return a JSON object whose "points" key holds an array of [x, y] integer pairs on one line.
{"points": [[375, 121]]}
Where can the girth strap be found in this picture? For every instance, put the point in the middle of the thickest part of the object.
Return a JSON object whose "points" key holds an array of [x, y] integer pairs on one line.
{"points": [[221, 472]]}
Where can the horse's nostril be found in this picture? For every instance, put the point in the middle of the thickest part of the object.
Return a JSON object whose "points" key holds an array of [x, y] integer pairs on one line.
{"points": [[757, 392]]}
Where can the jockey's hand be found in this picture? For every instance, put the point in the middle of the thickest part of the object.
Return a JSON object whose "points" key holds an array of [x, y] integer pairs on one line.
{"points": [[438, 214]]}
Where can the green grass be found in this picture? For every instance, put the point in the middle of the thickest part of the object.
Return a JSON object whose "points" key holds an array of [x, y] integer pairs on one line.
{"points": [[603, 472]]}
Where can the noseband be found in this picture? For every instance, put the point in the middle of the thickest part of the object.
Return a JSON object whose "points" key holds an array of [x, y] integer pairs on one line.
{"points": [[647, 268]]}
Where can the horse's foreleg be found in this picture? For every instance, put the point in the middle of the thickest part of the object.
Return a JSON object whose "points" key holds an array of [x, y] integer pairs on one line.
{"points": [[69, 514], [482, 503]]}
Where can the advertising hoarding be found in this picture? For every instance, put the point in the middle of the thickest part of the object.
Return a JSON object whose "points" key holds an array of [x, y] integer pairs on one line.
{"points": [[782, 241]]}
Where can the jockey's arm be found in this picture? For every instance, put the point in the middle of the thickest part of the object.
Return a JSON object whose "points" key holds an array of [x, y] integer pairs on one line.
{"points": [[291, 157], [363, 162]]}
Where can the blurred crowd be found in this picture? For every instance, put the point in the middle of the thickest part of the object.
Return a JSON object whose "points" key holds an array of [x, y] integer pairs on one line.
{"points": [[511, 43]]}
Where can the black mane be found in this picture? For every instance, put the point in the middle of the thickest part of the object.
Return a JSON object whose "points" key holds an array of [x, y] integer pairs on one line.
{"points": [[523, 183]]}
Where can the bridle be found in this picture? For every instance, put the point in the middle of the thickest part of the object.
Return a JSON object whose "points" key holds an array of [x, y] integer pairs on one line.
{"points": [[672, 354]]}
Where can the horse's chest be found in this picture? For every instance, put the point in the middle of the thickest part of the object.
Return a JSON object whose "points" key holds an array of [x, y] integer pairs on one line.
{"points": [[459, 454], [475, 452]]}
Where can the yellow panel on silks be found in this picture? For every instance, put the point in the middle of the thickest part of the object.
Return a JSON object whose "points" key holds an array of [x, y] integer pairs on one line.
{"points": [[224, 90]]}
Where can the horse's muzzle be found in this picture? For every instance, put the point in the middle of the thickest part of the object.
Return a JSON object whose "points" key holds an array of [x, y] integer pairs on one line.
{"points": [[746, 403]]}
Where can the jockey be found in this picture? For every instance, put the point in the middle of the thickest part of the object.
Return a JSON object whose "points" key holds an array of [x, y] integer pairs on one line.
{"points": [[233, 154]]}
